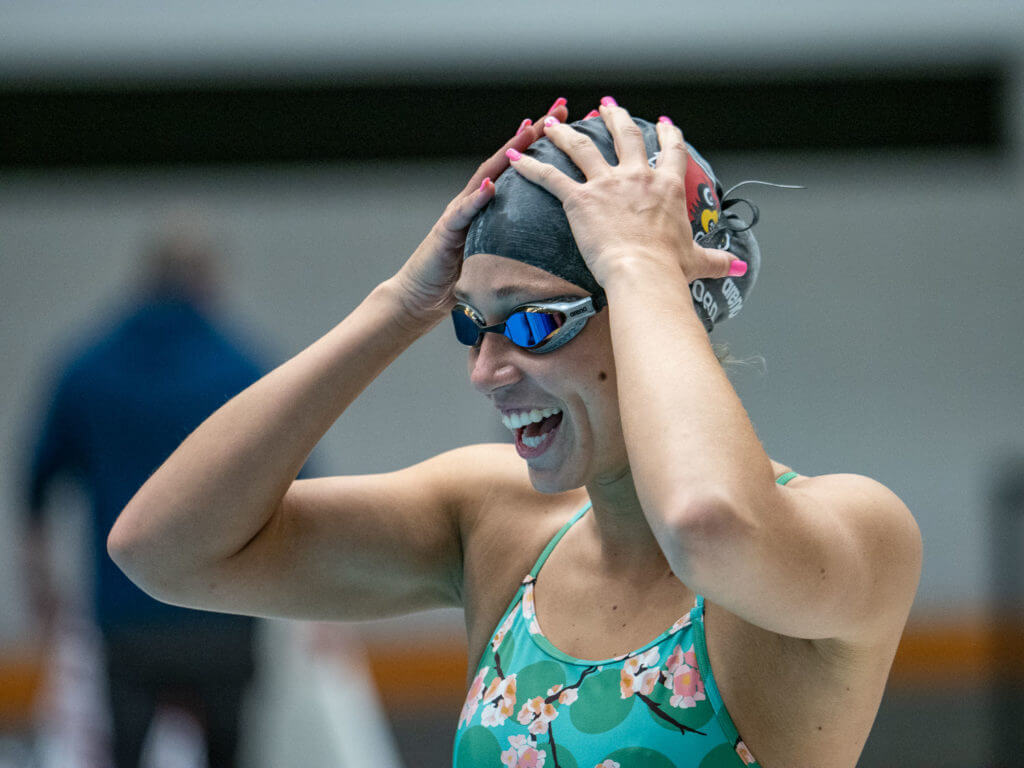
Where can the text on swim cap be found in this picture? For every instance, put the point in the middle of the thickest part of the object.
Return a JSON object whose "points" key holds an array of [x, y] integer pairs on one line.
{"points": [[732, 295], [703, 296]]}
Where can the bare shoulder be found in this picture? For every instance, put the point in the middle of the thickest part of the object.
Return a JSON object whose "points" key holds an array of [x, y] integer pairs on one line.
{"points": [[486, 473], [498, 501], [878, 524]]}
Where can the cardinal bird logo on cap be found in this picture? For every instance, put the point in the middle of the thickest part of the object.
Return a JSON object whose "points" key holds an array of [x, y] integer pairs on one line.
{"points": [[703, 205]]}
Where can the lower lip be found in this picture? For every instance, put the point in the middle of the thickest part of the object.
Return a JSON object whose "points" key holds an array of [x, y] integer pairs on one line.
{"points": [[526, 452]]}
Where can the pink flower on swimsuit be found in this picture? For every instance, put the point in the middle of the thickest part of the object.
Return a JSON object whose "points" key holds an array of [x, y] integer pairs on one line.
{"points": [[500, 700], [502, 631], [537, 713], [529, 610], [744, 753], [682, 677], [528, 606], [476, 690], [521, 754], [565, 697], [639, 674], [682, 621]]}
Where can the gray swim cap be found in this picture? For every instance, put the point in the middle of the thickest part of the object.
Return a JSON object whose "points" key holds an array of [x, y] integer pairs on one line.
{"points": [[527, 223]]}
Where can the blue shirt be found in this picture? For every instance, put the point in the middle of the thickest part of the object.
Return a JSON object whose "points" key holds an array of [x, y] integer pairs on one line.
{"points": [[120, 408]]}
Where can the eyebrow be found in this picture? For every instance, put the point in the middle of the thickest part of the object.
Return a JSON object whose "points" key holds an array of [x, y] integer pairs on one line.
{"points": [[512, 291], [506, 291]]}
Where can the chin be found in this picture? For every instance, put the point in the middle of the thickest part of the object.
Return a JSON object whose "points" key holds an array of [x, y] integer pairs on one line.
{"points": [[553, 481]]}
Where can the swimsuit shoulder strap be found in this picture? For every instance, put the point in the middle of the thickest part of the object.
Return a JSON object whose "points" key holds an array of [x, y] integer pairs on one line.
{"points": [[554, 541], [783, 479]]}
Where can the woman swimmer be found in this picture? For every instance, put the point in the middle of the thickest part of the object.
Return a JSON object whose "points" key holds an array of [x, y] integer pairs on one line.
{"points": [[596, 352]]}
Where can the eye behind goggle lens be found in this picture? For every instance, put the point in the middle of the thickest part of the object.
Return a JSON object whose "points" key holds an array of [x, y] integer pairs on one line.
{"points": [[466, 331], [530, 329]]}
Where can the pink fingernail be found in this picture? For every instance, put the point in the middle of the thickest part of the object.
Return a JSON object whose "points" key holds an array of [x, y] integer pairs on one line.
{"points": [[664, 119], [513, 154], [483, 184], [608, 101], [737, 268], [551, 120], [559, 102], [592, 113], [524, 125]]}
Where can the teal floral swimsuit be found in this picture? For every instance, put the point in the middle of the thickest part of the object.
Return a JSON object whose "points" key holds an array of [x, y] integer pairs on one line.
{"points": [[533, 706]]}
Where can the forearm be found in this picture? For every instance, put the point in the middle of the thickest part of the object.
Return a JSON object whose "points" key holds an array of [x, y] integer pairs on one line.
{"points": [[225, 481], [689, 439]]}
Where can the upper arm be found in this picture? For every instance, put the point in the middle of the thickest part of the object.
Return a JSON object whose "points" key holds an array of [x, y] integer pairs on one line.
{"points": [[835, 556], [352, 547]]}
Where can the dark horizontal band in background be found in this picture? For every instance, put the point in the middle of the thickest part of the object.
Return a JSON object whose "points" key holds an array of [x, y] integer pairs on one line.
{"points": [[54, 125]]}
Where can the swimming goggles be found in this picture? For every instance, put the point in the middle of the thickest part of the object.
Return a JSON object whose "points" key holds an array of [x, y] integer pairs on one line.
{"points": [[539, 326]]}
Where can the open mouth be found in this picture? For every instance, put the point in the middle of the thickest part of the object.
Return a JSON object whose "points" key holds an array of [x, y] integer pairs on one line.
{"points": [[535, 433], [534, 430]]}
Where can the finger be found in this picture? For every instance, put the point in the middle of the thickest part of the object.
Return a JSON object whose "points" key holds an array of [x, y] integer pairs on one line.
{"points": [[579, 147], [528, 133], [462, 210], [673, 156], [713, 262], [626, 135], [543, 175], [536, 131]]}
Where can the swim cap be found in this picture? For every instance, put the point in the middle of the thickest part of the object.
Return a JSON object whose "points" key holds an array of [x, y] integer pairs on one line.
{"points": [[527, 223]]}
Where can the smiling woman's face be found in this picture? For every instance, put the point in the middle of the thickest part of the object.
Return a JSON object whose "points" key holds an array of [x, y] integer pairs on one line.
{"points": [[577, 378]]}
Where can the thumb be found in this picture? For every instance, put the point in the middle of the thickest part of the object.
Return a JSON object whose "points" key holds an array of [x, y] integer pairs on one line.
{"points": [[719, 263]]}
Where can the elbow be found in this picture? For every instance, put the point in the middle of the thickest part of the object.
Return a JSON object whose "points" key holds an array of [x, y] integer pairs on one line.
{"points": [[125, 553], [129, 553], [122, 546], [121, 552]]}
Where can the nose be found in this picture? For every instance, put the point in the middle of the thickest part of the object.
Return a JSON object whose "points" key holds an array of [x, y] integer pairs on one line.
{"points": [[492, 365]]}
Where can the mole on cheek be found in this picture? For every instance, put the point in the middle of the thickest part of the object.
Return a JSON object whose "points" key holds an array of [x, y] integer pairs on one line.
{"points": [[601, 375]]}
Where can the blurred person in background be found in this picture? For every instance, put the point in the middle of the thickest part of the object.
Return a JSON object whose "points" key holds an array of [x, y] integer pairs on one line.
{"points": [[122, 401]]}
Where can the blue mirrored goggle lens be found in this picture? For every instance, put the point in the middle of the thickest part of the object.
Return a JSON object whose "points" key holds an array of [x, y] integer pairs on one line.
{"points": [[528, 329]]}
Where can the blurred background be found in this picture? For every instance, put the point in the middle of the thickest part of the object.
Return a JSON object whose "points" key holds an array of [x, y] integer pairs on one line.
{"points": [[317, 143]]}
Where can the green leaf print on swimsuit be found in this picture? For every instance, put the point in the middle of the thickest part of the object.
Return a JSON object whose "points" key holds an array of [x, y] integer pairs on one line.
{"points": [[531, 705]]}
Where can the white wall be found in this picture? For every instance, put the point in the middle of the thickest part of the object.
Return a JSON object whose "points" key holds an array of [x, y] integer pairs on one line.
{"points": [[150, 39]]}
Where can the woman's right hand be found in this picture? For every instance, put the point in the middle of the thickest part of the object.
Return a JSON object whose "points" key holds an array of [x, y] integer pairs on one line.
{"points": [[426, 281]]}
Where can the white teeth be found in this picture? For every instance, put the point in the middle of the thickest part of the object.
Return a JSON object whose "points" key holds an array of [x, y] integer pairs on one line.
{"points": [[519, 419], [533, 442]]}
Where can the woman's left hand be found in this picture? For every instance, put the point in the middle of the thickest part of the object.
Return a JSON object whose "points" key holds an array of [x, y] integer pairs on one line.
{"points": [[627, 211]]}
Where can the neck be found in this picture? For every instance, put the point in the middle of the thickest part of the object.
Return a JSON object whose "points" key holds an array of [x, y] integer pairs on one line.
{"points": [[624, 539]]}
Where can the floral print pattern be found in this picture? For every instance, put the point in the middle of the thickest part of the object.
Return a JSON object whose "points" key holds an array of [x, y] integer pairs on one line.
{"points": [[476, 690], [682, 677], [532, 706], [639, 674], [744, 753], [521, 755], [529, 611], [500, 701]]}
